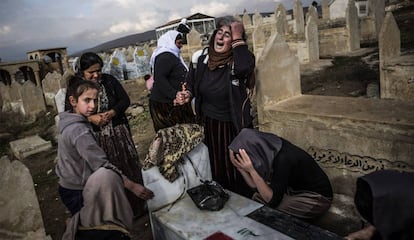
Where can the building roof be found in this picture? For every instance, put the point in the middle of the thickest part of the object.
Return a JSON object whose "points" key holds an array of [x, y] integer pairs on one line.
{"points": [[189, 18], [47, 49]]}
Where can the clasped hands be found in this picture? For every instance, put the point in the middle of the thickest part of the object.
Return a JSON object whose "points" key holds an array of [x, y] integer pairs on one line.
{"points": [[101, 119], [182, 97]]}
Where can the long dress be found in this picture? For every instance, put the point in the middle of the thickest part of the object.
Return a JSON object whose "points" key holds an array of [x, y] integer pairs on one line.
{"points": [[116, 139], [219, 108]]}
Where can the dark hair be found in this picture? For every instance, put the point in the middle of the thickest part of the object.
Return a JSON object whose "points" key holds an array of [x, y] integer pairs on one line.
{"points": [[179, 36], [225, 21], [147, 76], [183, 28], [77, 86], [88, 59]]}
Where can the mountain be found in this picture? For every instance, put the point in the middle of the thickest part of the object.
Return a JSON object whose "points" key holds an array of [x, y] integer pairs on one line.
{"points": [[120, 42]]}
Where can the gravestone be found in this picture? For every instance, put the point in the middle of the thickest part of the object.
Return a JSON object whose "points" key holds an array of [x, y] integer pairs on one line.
{"points": [[312, 39], [16, 104], [20, 216], [60, 100], [51, 85], [325, 9], [352, 24], [271, 88], [312, 12], [259, 39], [5, 97], [281, 21], [247, 21], [299, 22], [257, 18], [116, 65], [25, 147], [32, 99], [396, 70]]}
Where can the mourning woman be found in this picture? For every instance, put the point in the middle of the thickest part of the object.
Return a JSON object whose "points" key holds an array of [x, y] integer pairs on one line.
{"points": [[284, 176], [219, 84], [169, 72]]}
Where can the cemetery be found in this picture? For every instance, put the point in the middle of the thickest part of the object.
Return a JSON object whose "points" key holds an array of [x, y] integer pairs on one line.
{"points": [[348, 133]]}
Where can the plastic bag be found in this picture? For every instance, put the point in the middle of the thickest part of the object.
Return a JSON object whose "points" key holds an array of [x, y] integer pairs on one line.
{"points": [[209, 196]]}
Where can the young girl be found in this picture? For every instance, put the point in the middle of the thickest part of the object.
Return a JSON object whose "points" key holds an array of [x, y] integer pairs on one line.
{"points": [[89, 186]]}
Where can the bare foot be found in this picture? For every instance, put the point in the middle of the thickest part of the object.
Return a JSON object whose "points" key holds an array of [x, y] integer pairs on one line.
{"points": [[363, 234]]}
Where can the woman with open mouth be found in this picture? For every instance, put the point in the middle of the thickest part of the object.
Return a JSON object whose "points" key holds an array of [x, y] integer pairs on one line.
{"points": [[219, 83]]}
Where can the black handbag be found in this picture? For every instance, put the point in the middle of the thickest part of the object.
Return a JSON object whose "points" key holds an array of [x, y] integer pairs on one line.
{"points": [[208, 196]]}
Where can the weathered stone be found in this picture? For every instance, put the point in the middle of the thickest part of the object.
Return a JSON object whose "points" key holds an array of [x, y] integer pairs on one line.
{"points": [[352, 24], [20, 216], [28, 146], [312, 39], [299, 18], [325, 9], [32, 99], [50, 86]]}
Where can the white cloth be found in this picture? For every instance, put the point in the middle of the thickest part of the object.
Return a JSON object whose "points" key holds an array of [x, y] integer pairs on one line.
{"points": [[191, 172], [166, 43]]}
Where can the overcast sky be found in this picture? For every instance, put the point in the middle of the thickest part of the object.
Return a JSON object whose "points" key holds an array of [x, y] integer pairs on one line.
{"points": [[27, 25]]}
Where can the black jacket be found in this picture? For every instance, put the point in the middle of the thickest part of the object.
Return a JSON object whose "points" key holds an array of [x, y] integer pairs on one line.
{"points": [[239, 71], [169, 74]]}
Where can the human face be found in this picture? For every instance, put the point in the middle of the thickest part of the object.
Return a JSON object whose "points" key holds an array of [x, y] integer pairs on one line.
{"points": [[179, 43], [222, 40], [93, 73], [86, 103]]}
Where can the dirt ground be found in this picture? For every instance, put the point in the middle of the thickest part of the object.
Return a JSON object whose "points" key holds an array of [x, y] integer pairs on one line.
{"points": [[340, 76]]}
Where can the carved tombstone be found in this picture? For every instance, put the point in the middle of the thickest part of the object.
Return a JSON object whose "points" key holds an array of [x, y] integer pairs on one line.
{"points": [[32, 98], [325, 9], [5, 97], [352, 24], [20, 216], [246, 19], [16, 104], [281, 21], [277, 74], [299, 19], [51, 85], [312, 39]]}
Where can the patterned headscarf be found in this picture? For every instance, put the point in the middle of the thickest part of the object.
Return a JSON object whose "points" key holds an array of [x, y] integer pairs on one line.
{"points": [[169, 145]]}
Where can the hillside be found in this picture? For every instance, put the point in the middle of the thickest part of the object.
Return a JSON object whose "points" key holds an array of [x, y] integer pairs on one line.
{"points": [[126, 41]]}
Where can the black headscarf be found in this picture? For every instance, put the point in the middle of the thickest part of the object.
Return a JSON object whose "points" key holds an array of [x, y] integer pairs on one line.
{"points": [[386, 199], [261, 147]]}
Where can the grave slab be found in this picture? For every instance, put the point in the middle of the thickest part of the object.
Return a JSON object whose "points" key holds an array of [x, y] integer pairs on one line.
{"points": [[25, 147]]}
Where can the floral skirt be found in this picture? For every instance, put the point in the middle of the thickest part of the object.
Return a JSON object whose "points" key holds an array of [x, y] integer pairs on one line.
{"points": [[218, 136], [120, 148]]}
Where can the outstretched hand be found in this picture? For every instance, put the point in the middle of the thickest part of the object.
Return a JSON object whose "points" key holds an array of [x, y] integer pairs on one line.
{"points": [[139, 190]]}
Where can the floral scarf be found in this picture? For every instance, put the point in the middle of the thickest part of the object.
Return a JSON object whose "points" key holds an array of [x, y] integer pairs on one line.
{"points": [[169, 145]]}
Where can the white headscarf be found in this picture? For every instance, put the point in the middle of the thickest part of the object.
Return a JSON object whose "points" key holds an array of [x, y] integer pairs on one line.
{"points": [[166, 43]]}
